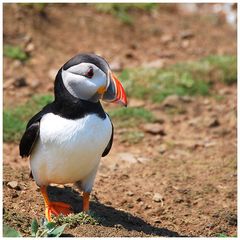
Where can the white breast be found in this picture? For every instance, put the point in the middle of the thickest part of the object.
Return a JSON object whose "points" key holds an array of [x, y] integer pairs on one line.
{"points": [[69, 150]]}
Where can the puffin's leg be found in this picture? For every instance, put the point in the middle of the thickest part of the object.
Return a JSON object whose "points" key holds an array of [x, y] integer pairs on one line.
{"points": [[86, 196], [54, 207]]}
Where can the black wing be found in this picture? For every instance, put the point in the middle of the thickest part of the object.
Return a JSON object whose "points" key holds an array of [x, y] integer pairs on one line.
{"points": [[31, 133], [109, 146]]}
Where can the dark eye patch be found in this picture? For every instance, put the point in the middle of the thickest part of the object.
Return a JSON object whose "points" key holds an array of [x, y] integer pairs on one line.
{"points": [[89, 73]]}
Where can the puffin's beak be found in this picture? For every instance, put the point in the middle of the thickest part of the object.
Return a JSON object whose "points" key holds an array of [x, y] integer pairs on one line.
{"points": [[115, 91]]}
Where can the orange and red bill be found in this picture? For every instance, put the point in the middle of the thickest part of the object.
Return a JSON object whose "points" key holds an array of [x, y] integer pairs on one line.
{"points": [[115, 91]]}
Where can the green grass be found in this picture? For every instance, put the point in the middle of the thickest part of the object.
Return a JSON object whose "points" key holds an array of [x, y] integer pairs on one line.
{"points": [[132, 137], [15, 119], [123, 10], [154, 84], [183, 79], [14, 52], [131, 116], [81, 218]]}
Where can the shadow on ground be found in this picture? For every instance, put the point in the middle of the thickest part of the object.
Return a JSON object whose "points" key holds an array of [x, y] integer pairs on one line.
{"points": [[109, 216]]}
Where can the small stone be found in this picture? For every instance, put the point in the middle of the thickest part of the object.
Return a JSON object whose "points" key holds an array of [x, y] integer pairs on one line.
{"points": [[136, 103], [194, 121], [139, 199], [8, 83], [162, 148], [178, 200], [129, 55], [13, 185], [147, 207], [154, 128], [212, 122], [130, 205], [185, 44], [147, 194], [154, 64], [20, 82], [129, 193], [186, 34], [15, 195], [30, 47], [128, 157], [167, 38], [157, 220], [157, 197], [118, 226], [186, 99], [171, 101], [17, 63], [116, 66], [35, 83]]}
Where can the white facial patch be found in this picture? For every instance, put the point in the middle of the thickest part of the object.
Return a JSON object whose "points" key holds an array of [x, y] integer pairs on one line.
{"points": [[79, 85]]}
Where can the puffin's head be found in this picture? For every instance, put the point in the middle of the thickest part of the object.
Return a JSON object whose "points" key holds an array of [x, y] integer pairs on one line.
{"points": [[89, 77]]}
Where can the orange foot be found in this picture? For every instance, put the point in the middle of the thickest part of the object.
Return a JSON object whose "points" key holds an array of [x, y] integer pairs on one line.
{"points": [[55, 208]]}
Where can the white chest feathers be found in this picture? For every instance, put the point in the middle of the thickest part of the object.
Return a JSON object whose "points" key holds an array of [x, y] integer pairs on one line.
{"points": [[69, 150]]}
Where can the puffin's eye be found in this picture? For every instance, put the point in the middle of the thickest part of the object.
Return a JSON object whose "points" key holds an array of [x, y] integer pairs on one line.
{"points": [[89, 73]]}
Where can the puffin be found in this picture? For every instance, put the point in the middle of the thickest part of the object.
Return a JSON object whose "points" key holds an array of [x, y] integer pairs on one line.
{"points": [[67, 138]]}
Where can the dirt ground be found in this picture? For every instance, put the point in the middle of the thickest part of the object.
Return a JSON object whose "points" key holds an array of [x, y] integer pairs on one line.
{"points": [[181, 181]]}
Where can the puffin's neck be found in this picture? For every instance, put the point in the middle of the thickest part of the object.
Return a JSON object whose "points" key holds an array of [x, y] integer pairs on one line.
{"points": [[69, 106]]}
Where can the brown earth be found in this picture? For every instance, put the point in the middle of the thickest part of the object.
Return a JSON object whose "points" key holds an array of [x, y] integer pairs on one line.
{"points": [[180, 181]]}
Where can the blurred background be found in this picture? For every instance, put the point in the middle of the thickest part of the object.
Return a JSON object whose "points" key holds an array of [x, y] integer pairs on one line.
{"points": [[172, 170]]}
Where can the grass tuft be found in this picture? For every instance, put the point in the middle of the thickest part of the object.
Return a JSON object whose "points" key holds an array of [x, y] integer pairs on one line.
{"points": [[131, 116], [15, 52], [81, 218], [123, 10], [15, 119], [184, 79]]}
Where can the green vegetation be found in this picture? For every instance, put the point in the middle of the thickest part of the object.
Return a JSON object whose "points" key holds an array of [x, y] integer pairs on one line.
{"points": [[15, 120], [154, 84], [10, 232], [132, 137], [39, 8], [81, 218], [131, 116], [14, 52], [123, 10], [222, 235], [46, 229], [184, 79]]}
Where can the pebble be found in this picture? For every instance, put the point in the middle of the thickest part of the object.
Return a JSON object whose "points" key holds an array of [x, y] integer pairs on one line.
{"points": [[159, 63], [116, 66], [35, 83], [13, 185], [20, 82], [130, 205], [129, 193], [167, 38], [186, 34], [154, 128], [157, 197], [185, 44], [212, 122], [148, 207], [162, 148], [30, 47], [136, 103], [128, 157], [171, 101]]}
